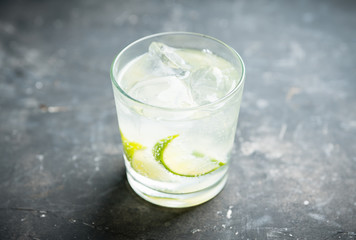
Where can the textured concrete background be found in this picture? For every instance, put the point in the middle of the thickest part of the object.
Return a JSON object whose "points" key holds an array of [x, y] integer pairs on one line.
{"points": [[293, 174]]}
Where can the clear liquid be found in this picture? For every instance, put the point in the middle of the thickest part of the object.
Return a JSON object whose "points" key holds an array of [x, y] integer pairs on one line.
{"points": [[207, 131]]}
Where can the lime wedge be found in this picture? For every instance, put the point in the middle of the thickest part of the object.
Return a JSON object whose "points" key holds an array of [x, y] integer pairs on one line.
{"points": [[171, 155], [130, 147]]}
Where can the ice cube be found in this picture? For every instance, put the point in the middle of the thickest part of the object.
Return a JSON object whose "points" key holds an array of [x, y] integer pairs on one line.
{"points": [[208, 84], [167, 91], [166, 60]]}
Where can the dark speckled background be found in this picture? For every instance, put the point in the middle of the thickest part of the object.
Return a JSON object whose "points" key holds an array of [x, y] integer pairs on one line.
{"points": [[293, 174]]}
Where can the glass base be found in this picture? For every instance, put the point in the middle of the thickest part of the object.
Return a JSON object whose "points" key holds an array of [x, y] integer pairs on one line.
{"points": [[176, 200]]}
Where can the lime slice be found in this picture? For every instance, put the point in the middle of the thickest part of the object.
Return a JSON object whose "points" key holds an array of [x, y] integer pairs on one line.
{"points": [[143, 162], [172, 156], [130, 147], [160, 146]]}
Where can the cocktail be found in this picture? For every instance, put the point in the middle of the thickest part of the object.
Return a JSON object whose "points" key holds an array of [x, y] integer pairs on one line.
{"points": [[177, 97]]}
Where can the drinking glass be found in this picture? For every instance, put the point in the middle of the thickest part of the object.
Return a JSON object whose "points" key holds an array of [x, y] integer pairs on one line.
{"points": [[177, 156]]}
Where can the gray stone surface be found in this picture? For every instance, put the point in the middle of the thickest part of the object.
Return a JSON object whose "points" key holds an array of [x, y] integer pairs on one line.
{"points": [[293, 174]]}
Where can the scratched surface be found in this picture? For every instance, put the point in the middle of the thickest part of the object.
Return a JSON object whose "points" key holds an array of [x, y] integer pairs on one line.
{"points": [[293, 174]]}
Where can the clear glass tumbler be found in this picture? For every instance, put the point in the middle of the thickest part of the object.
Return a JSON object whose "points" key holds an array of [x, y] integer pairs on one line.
{"points": [[177, 98]]}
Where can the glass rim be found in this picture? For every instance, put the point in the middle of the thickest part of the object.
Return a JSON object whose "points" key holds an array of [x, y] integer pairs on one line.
{"points": [[220, 100]]}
